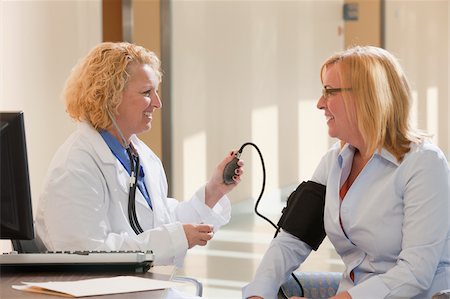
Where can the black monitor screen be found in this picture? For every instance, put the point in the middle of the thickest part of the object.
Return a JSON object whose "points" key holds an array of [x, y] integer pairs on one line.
{"points": [[15, 202]]}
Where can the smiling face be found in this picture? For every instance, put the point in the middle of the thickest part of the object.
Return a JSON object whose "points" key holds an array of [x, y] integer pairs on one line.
{"points": [[140, 99], [341, 123]]}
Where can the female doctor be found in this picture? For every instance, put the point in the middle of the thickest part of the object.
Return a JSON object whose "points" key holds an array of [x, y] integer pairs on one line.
{"points": [[105, 189]]}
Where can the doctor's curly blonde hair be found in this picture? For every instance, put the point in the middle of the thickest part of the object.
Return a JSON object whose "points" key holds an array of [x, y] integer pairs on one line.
{"points": [[96, 84]]}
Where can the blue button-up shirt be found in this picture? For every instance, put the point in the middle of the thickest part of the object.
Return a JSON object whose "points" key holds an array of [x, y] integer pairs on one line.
{"points": [[395, 226], [121, 154]]}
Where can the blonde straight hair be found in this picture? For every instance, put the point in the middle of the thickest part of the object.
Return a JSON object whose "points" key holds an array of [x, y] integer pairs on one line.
{"points": [[381, 95], [96, 84]]}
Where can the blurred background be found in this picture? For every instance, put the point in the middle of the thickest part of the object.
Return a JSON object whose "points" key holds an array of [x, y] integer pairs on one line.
{"points": [[233, 71]]}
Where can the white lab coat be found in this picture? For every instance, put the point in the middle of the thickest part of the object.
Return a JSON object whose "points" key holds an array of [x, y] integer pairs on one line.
{"points": [[84, 204]]}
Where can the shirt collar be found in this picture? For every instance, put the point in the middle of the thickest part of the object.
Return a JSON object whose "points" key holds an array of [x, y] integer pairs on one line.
{"points": [[385, 154], [114, 144], [117, 149], [348, 149]]}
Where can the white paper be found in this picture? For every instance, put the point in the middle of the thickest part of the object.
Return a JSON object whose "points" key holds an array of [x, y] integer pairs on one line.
{"points": [[98, 286]]}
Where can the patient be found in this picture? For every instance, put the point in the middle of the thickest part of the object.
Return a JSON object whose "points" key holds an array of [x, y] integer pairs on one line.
{"points": [[387, 189], [105, 188]]}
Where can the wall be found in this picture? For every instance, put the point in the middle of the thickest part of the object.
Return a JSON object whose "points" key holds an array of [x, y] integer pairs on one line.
{"points": [[242, 71], [40, 41], [146, 32], [249, 71], [418, 33], [366, 28]]}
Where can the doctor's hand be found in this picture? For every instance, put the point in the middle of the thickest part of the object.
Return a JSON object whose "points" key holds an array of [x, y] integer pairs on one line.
{"points": [[216, 188], [198, 234]]}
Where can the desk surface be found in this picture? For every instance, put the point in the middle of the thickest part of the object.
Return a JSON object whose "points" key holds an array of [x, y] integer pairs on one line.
{"points": [[15, 278]]}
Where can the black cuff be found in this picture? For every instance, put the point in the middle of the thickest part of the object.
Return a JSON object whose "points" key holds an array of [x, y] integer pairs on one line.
{"points": [[303, 214]]}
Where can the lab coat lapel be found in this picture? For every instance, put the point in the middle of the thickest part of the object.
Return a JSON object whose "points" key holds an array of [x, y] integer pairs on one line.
{"points": [[152, 180], [98, 144], [140, 199], [155, 182], [110, 166]]}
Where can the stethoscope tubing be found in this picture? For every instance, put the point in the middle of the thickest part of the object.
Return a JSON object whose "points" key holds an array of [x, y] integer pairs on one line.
{"points": [[134, 157], [132, 216]]}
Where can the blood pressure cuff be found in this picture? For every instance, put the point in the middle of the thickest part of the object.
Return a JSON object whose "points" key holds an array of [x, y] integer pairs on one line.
{"points": [[303, 214]]}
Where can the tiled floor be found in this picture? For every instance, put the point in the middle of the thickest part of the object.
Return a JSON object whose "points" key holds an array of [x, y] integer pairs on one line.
{"points": [[230, 259]]}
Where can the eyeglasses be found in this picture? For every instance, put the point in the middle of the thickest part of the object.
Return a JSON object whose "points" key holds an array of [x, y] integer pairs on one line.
{"points": [[326, 92]]}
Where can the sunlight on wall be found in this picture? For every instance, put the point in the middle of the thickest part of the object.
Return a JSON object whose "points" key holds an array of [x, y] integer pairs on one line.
{"points": [[42, 40], [433, 113], [194, 161], [312, 138], [414, 116], [265, 135]]}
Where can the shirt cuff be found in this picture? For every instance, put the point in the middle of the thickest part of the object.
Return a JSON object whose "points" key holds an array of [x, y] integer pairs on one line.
{"points": [[219, 215], [373, 288]]}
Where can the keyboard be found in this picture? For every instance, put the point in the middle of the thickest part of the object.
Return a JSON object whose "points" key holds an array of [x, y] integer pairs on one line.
{"points": [[136, 261]]}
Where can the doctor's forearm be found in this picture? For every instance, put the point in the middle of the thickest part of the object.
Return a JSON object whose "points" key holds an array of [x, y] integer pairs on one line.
{"points": [[212, 195]]}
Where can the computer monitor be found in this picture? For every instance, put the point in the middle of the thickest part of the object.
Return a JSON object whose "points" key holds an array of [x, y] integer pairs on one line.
{"points": [[16, 221]]}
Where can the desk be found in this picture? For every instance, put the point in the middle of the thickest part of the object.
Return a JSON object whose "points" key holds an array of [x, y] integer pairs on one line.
{"points": [[15, 278]]}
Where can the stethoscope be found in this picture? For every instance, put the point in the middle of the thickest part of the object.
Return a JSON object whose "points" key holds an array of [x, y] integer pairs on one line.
{"points": [[134, 174], [135, 167]]}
